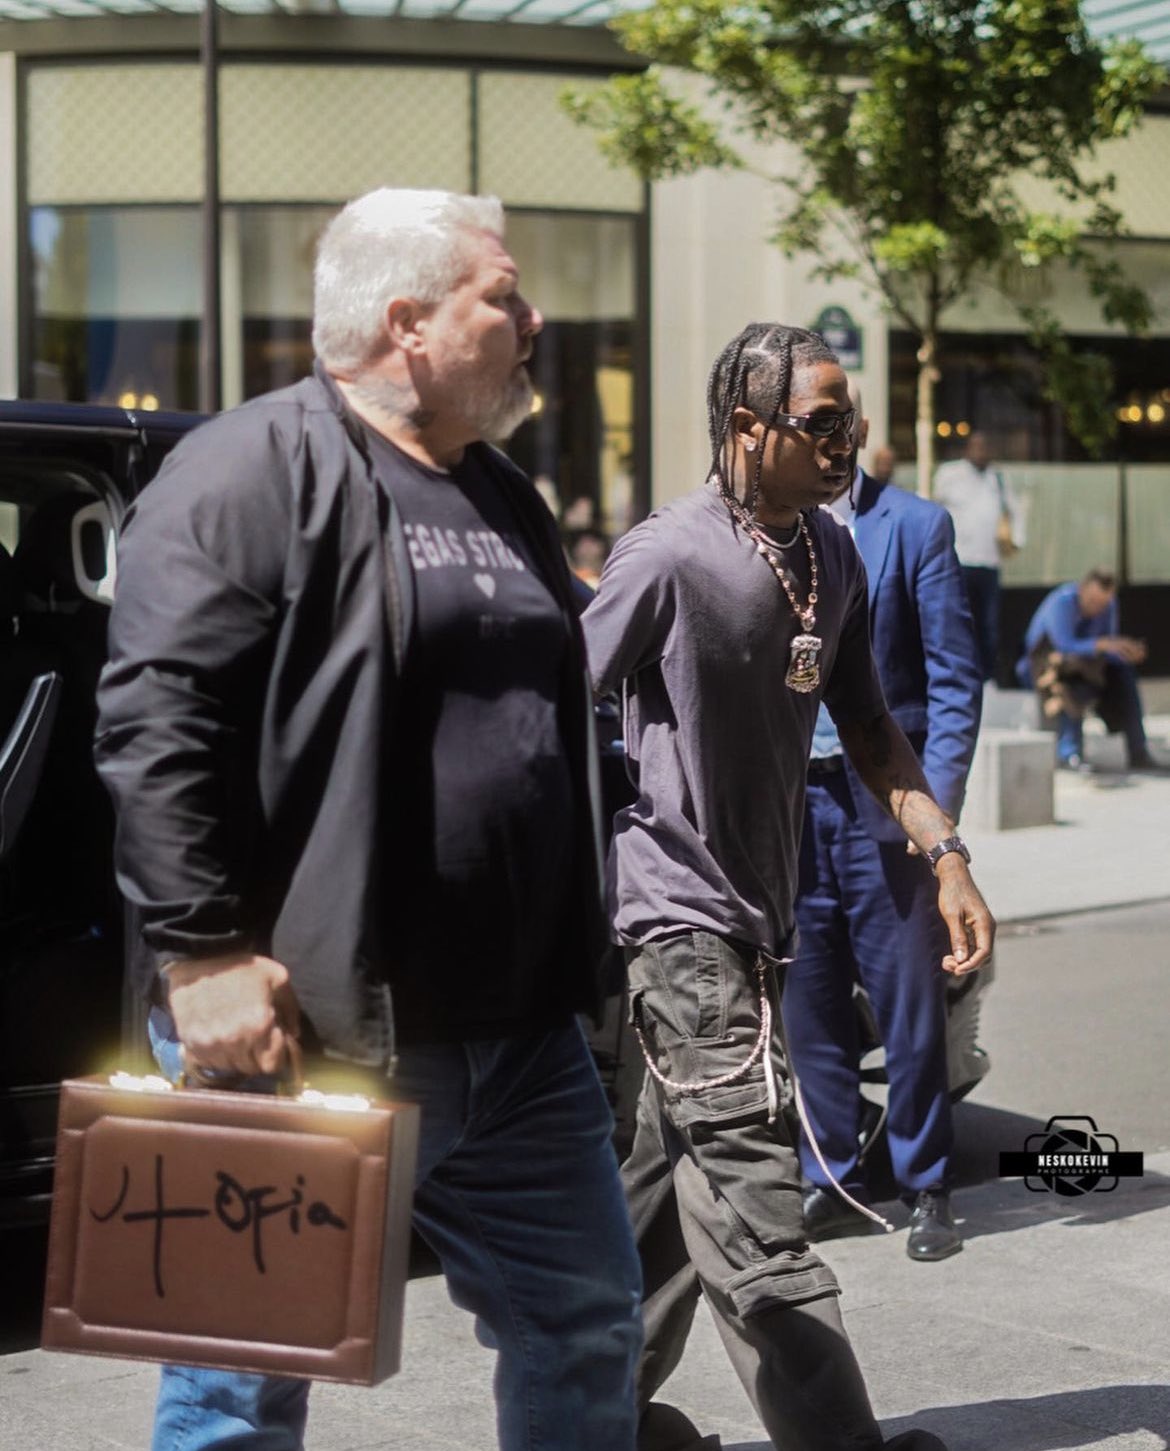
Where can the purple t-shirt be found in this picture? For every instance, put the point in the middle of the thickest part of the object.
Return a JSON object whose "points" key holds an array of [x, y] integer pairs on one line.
{"points": [[694, 623]]}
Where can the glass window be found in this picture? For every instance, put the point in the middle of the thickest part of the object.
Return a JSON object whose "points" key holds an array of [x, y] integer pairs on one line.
{"points": [[116, 319], [1077, 513], [994, 382], [268, 264], [1147, 533], [117, 294], [580, 271]]}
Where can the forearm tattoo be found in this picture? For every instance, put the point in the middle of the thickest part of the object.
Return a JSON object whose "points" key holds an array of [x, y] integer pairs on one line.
{"points": [[892, 772]]}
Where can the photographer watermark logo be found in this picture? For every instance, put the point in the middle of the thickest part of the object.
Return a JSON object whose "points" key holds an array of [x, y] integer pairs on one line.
{"points": [[1071, 1156]]}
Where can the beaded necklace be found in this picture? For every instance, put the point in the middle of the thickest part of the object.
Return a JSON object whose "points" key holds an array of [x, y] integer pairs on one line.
{"points": [[804, 671]]}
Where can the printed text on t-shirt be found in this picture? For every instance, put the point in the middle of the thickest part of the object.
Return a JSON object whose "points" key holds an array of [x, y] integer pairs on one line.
{"points": [[435, 548]]}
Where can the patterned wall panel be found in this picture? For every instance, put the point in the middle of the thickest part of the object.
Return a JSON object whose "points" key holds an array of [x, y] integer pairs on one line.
{"points": [[114, 133], [1143, 188], [317, 132], [533, 155], [1138, 161]]}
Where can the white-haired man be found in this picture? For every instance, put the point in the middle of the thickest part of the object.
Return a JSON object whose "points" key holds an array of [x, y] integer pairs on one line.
{"points": [[345, 628]]}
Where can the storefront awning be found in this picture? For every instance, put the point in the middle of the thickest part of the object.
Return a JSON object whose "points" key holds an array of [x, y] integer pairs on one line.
{"points": [[1144, 20], [542, 12]]}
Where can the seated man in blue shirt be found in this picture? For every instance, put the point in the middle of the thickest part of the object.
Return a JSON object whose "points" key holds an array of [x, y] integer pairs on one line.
{"points": [[1077, 660]]}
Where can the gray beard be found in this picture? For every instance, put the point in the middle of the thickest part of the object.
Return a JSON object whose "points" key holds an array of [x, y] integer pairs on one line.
{"points": [[497, 415]]}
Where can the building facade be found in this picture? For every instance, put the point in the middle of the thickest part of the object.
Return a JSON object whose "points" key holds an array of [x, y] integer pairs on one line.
{"points": [[103, 174], [102, 221]]}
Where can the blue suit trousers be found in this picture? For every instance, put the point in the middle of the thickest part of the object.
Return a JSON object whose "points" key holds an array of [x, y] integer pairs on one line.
{"points": [[867, 911]]}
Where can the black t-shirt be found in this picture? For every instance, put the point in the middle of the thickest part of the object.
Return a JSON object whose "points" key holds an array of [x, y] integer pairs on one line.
{"points": [[480, 791]]}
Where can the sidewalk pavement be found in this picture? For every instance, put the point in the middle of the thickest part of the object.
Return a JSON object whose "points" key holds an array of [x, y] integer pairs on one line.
{"points": [[1109, 846], [1051, 1330]]}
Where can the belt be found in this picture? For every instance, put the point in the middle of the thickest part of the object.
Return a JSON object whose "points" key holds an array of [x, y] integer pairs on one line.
{"points": [[826, 765]]}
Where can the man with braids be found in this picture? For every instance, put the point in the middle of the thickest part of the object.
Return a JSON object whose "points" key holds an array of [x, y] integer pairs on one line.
{"points": [[725, 618]]}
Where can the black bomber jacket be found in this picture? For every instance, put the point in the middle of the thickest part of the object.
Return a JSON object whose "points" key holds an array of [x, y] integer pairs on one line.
{"points": [[262, 617]]}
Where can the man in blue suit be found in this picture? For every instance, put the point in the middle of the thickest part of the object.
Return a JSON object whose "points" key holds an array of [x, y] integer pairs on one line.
{"points": [[867, 904]]}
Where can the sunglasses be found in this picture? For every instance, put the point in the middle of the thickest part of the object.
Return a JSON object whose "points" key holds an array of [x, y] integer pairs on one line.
{"points": [[820, 425]]}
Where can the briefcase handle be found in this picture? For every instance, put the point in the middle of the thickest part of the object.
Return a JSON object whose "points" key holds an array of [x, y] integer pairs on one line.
{"points": [[291, 1080]]}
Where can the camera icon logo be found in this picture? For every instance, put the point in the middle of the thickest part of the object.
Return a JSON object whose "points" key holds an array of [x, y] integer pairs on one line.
{"points": [[1073, 1157]]}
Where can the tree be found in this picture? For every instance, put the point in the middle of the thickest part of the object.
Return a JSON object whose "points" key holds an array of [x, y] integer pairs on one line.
{"points": [[916, 120]]}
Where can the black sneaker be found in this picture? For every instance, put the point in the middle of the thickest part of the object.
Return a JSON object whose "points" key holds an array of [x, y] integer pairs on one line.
{"points": [[933, 1235]]}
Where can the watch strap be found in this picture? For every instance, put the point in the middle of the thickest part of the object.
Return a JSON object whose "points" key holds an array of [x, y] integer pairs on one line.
{"points": [[945, 847]]}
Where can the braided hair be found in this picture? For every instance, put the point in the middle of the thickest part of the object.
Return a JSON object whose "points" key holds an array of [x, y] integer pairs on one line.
{"points": [[755, 371]]}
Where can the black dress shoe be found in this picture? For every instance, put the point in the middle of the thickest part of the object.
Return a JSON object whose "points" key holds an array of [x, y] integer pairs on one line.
{"points": [[933, 1235], [1148, 765], [827, 1216]]}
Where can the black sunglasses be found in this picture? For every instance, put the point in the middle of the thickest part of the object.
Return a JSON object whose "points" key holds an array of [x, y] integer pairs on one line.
{"points": [[820, 425]]}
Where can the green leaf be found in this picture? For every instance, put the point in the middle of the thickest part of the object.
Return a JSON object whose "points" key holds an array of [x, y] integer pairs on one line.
{"points": [[907, 126], [640, 124]]}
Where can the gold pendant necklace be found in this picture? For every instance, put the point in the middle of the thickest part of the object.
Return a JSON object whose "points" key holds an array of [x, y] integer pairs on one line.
{"points": [[804, 670]]}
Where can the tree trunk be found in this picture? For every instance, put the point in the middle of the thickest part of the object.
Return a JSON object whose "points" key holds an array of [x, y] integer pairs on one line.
{"points": [[924, 424]]}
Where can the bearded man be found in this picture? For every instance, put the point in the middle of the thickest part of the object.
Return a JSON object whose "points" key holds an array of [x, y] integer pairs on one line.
{"points": [[347, 730]]}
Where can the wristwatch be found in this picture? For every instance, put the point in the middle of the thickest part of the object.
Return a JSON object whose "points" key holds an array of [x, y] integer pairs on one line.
{"points": [[941, 848]]}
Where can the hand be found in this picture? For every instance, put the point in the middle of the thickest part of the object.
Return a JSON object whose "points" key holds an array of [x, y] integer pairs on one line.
{"points": [[1132, 651], [970, 924], [233, 1013]]}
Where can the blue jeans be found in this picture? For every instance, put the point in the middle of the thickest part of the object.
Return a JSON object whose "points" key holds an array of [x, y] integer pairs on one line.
{"points": [[518, 1194]]}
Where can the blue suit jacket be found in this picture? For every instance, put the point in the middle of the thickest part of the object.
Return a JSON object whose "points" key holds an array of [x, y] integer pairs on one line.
{"points": [[923, 641]]}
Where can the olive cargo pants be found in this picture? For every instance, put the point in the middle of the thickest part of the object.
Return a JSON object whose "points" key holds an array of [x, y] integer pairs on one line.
{"points": [[715, 1198]]}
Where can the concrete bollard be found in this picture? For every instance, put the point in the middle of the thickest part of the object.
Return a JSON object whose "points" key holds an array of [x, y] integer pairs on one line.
{"points": [[1011, 781]]}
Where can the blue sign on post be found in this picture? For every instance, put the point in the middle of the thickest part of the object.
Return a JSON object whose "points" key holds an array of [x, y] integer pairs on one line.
{"points": [[842, 334]]}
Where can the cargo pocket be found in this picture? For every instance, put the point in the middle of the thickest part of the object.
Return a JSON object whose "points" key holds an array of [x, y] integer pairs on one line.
{"points": [[696, 1001], [788, 1278], [688, 985], [688, 1069], [752, 1208]]}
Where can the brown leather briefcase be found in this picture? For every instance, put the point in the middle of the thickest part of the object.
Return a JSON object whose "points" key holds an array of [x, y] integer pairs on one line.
{"points": [[235, 1230]]}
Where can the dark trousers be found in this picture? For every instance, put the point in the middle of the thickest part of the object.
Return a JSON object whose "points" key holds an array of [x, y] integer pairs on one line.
{"points": [[714, 1195], [983, 596], [1069, 686], [518, 1195], [867, 911]]}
